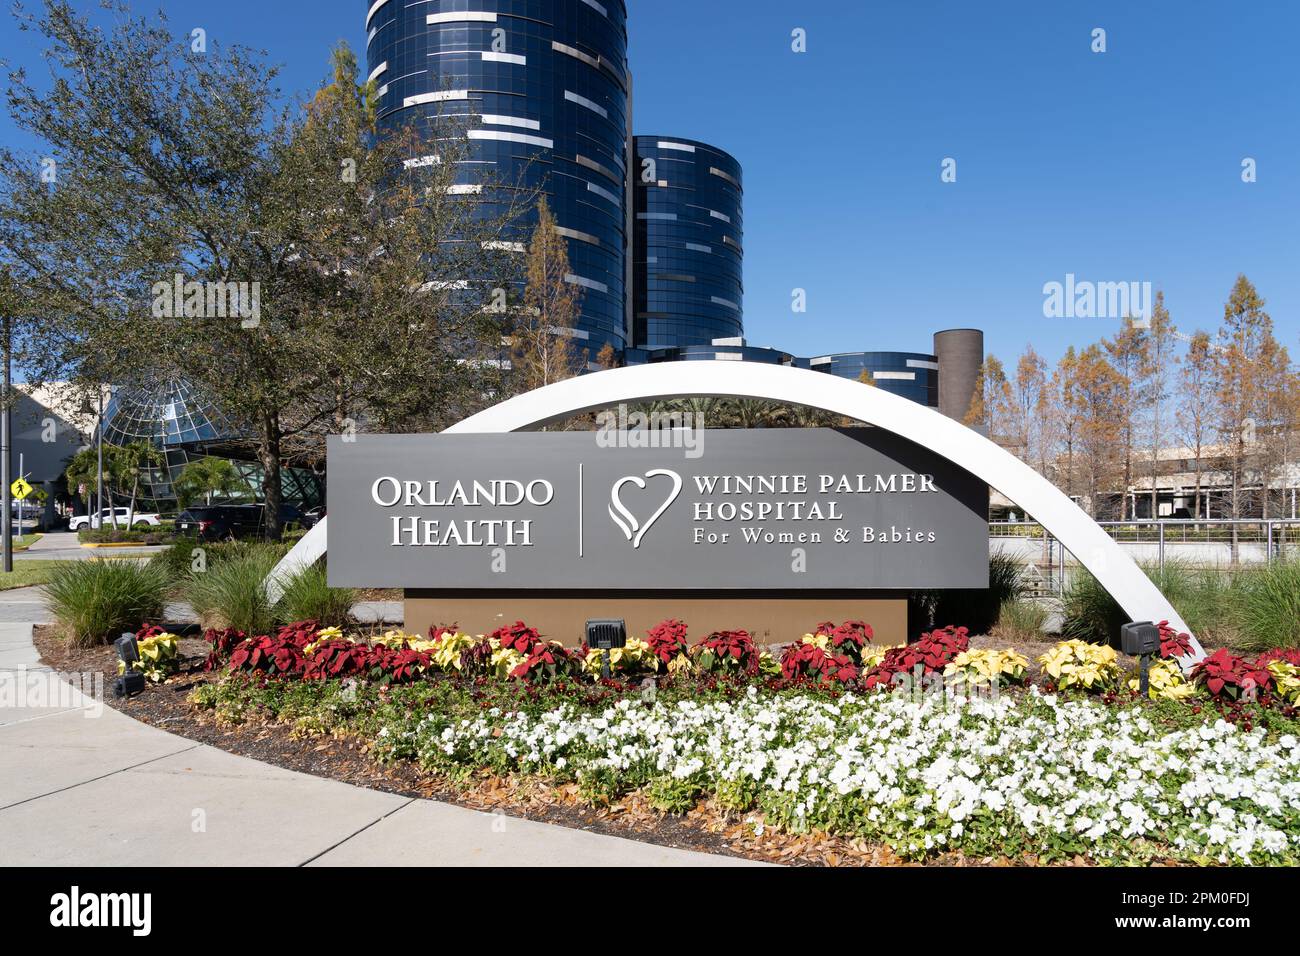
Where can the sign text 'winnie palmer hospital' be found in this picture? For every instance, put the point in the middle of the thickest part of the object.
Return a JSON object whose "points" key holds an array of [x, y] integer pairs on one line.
{"points": [[814, 509]]}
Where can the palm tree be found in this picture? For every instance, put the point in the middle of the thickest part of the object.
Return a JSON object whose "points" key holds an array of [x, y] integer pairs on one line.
{"points": [[130, 460], [207, 477]]}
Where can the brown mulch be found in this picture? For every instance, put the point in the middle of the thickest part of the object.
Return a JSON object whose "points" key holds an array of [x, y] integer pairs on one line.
{"points": [[707, 828]]}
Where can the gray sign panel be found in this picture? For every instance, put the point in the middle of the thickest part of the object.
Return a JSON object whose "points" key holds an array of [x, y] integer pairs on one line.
{"points": [[746, 509]]}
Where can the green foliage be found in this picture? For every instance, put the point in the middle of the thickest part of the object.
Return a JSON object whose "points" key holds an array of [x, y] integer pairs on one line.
{"points": [[976, 608], [1089, 612], [1022, 620], [95, 601], [308, 597], [209, 477], [1269, 606], [231, 592]]}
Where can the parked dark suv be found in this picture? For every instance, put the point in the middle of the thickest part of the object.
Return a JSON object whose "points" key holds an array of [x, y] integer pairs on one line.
{"points": [[227, 522]]}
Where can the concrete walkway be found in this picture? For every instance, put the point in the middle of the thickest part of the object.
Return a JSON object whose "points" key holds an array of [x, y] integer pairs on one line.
{"points": [[84, 785], [66, 546]]}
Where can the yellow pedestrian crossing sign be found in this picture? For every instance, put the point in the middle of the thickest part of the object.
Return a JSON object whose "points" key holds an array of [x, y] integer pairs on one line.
{"points": [[21, 489]]}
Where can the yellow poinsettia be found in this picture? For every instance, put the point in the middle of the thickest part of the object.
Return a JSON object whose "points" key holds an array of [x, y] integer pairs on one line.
{"points": [[872, 657], [635, 657], [159, 657], [1287, 678], [679, 664], [986, 667], [447, 652], [1167, 682], [1078, 664]]}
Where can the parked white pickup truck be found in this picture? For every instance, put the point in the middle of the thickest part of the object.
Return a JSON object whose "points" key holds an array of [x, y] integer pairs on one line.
{"points": [[105, 519]]}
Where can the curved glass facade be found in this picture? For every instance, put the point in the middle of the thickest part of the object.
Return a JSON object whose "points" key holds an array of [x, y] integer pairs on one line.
{"points": [[688, 240], [910, 374], [547, 87], [185, 426]]}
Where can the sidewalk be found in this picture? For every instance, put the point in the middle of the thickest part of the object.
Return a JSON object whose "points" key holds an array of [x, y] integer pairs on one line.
{"points": [[83, 785]]}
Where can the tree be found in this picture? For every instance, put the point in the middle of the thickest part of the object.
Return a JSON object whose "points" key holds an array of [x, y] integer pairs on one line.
{"points": [[1161, 372], [1130, 358], [131, 460], [992, 406], [207, 477], [1096, 388], [1196, 382], [300, 240], [1031, 409], [1243, 367], [543, 346]]}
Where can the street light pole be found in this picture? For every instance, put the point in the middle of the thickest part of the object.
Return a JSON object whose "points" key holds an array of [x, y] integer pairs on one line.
{"points": [[99, 468]]}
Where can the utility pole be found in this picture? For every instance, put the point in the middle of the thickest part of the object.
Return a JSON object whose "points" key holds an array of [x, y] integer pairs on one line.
{"points": [[7, 535]]}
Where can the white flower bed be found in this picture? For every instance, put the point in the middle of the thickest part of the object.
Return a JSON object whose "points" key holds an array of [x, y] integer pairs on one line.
{"points": [[1012, 775]]}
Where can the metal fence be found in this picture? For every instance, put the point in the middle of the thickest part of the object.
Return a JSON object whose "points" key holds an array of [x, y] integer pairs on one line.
{"points": [[1214, 544]]}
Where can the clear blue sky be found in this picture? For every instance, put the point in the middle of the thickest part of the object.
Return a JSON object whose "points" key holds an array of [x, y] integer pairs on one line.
{"points": [[1117, 166]]}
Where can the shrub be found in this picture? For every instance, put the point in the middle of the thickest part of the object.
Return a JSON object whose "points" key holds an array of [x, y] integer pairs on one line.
{"points": [[812, 658], [667, 641], [232, 591], [308, 596], [979, 607], [178, 559], [1078, 664], [634, 659], [986, 668], [850, 638], [1089, 614], [727, 651], [1228, 676], [96, 601], [1023, 619], [222, 641], [1269, 606], [1166, 681], [516, 637], [275, 656], [931, 654]]}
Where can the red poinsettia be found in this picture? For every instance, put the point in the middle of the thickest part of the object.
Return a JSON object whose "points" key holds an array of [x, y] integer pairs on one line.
{"points": [[667, 640], [1173, 644], [1224, 674], [849, 638], [336, 659], [223, 642], [730, 650], [812, 662], [931, 653], [276, 656], [518, 637], [545, 663], [438, 631]]}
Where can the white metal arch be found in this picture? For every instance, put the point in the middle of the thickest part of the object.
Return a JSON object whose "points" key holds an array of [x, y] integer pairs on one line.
{"points": [[1114, 569]]}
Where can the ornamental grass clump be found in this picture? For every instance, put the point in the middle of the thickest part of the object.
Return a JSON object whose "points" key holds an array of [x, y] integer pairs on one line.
{"points": [[232, 592], [97, 601], [308, 597]]}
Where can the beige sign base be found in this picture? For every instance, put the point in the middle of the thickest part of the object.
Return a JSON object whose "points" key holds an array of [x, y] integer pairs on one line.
{"points": [[563, 616]]}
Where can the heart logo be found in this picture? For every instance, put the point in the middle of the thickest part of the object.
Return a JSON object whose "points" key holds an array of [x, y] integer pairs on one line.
{"points": [[632, 529]]}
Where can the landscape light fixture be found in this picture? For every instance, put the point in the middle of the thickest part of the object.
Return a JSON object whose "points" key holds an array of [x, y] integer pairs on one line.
{"points": [[605, 636], [1141, 639], [131, 681]]}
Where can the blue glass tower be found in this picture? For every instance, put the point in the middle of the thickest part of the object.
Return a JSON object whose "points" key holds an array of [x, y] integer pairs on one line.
{"points": [[546, 86], [912, 375], [688, 255]]}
